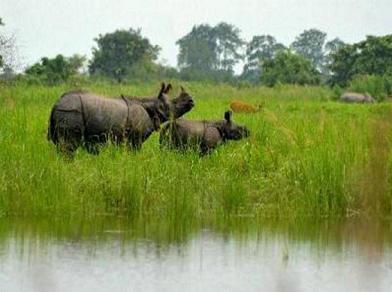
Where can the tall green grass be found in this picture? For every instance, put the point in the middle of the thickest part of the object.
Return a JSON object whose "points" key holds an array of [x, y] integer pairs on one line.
{"points": [[307, 156], [380, 87]]}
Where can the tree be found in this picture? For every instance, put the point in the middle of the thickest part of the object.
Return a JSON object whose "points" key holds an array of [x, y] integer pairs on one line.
{"points": [[198, 49], [372, 56], [288, 67], [53, 71], [228, 44], [310, 44], [210, 52], [1, 57], [260, 48], [331, 48], [77, 63], [8, 53], [121, 51]]}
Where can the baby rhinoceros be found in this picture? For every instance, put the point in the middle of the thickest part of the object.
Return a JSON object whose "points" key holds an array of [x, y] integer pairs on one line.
{"points": [[203, 136]]}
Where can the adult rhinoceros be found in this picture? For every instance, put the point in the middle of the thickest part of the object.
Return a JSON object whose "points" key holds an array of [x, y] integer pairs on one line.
{"points": [[353, 97], [202, 135], [81, 118]]}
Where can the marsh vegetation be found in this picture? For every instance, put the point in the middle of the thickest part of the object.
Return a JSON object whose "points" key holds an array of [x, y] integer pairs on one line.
{"points": [[307, 156]]}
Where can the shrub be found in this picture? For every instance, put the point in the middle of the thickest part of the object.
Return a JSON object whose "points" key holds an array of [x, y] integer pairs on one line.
{"points": [[379, 87]]}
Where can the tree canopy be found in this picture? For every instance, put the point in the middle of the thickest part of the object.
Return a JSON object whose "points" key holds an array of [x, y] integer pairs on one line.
{"points": [[372, 56], [288, 67], [310, 44], [55, 70], [207, 51], [1, 44], [8, 53], [118, 53], [260, 48]]}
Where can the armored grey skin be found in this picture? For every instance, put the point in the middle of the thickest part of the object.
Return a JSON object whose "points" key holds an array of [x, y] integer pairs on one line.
{"points": [[203, 136], [82, 118], [353, 97]]}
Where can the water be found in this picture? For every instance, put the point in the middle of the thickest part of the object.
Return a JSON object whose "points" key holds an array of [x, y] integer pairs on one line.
{"points": [[118, 255]]}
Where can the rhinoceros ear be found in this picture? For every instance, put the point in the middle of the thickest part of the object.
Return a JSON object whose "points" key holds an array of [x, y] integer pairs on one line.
{"points": [[168, 88], [162, 89], [228, 116], [182, 89]]}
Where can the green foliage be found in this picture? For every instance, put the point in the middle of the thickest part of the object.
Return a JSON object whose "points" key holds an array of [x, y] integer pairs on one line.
{"points": [[295, 163], [372, 56], [260, 48], [77, 62], [378, 87], [122, 53], [198, 49], [331, 48], [229, 42], [337, 92], [310, 44], [209, 52], [54, 71], [288, 67]]}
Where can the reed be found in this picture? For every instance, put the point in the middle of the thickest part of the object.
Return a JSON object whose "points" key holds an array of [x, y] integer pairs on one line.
{"points": [[307, 156]]}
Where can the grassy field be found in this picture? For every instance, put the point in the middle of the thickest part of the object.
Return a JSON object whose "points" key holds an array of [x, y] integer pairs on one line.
{"points": [[307, 156]]}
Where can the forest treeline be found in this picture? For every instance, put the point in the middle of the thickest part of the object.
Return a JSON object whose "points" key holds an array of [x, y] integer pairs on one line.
{"points": [[211, 53]]}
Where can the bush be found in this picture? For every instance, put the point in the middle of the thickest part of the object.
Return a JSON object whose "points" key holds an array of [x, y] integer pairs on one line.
{"points": [[372, 56], [379, 87], [337, 92], [289, 68], [53, 71]]}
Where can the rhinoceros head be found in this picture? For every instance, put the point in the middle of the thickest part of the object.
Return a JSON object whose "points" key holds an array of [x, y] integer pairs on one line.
{"points": [[162, 108], [368, 98], [231, 131], [182, 104], [163, 105]]}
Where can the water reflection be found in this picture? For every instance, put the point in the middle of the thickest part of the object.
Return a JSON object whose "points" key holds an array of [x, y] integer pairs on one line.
{"points": [[117, 254]]}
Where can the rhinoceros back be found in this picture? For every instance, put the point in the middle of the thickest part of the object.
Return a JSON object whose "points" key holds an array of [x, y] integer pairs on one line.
{"points": [[103, 115], [139, 122], [185, 133], [189, 132], [82, 114], [83, 117], [353, 97], [66, 119]]}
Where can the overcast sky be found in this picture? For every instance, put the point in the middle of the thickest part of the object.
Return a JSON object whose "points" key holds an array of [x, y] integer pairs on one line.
{"points": [[47, 28]]}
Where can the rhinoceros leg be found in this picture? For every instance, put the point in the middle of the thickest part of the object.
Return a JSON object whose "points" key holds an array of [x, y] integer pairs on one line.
{"points": [[135, 141], [92, 148], [67, 147], [93, 143], [210, 140], [68, 127]]}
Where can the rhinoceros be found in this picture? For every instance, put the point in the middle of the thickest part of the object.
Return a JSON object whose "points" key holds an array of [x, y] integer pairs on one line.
{"points": [[202, 136], [353, 97], [81, 118]]}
